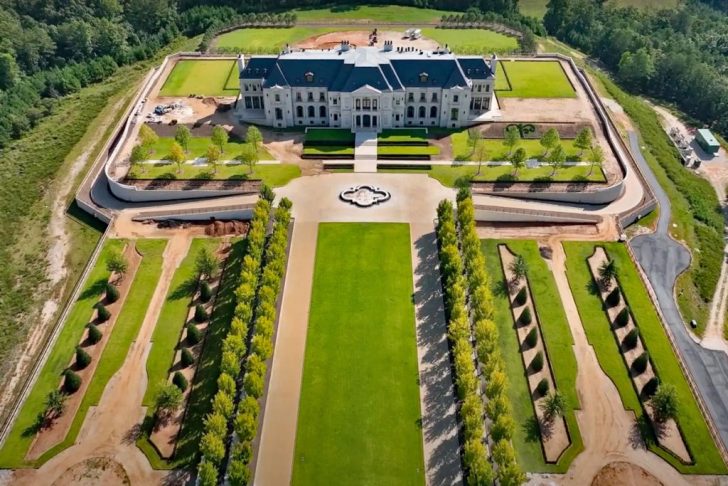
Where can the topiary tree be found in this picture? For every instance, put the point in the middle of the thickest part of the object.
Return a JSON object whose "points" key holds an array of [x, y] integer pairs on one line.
{"points": [[253, 384], [186, 357], [537, 362], [212, 447], [622, 318], [639, 365], [630, 340], [475, 457], [238, 473], [102, 313], [83, 359], [542, 388], [245, 426], [502, 428], [607, 272], [94, 334], [651, 387], [531, 338], [554, 405], [613, 298], [112, 293], [226, 383], [267, 193], [207, 474], [665, 403], [200, 313], [194, 335], [71, 381], [521, 297], [205, 292], [216, 423], [525, 318], [222, 403], [179, 380]]}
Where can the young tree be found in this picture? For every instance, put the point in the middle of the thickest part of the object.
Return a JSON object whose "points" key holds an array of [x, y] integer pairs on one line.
{"points": [[518, 160], [147, 137], [480, 153], [597, 157], [512, 138], [219, 137], [138, 155], [168, 401], [607, 271], [55, 404], [254, 137], [554, 405], [556, 159], [549, 140], [177, 155], [664, 402], [519, 268], [583, 140], [182, 136], [213, 157], [249, 156], [205, 263], [116, 263]]}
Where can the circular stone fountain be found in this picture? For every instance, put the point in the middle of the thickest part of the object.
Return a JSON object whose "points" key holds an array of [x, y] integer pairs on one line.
{"points": [[364, 196]]}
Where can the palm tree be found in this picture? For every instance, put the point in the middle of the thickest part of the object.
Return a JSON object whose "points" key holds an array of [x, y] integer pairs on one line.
{"points": [[55, 404], [554, 405], [607, 271], [519, 268]]}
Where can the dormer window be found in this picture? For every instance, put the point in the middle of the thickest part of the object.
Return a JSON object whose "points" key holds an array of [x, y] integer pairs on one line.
{"points": [[309, 77], [424, 77]]}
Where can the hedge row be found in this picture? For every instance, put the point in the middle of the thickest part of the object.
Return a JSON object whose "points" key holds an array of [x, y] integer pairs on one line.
{"points": [[246, 420], [234, 349], [498, 407]]}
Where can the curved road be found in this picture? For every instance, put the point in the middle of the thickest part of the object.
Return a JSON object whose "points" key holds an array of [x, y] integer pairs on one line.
{"points": [[662, 260]]}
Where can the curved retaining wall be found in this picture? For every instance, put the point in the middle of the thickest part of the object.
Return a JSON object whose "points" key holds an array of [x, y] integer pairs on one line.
{"points": [[599, 196]]}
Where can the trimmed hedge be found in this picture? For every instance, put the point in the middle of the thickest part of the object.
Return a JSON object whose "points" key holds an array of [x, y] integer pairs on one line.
{"points": [[639, 365], [94, 334], [543, 387], [205, 292], [630, 340], [200, 313], [102, 313], [83, 359], [525, 318], [622, 318], [112, 293], [614, 298], [531, 338], [71, 381], [194, 335], [186, 357], [521, 297], [537, 362], [650, 387], [180, 381]]}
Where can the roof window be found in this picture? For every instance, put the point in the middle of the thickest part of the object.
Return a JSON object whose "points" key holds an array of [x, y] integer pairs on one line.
{"points": [[424, 77], [309, 77]]}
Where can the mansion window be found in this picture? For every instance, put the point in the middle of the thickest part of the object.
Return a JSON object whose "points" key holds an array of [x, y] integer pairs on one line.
{"points": [[358, 104], [455, 98], [299, 111], [311, 112], [310, 96], [309, 77], [279, 114], [487, 88], [422, 111], [454, 114], [334, 100], [278, 98], [298, 97], [433, 112], [423, 77], [336, 117], [410, 97], [367, 104], [374, 104], [322, 111], [434, 97], [322, 97], [410, 112], [423, 97]]}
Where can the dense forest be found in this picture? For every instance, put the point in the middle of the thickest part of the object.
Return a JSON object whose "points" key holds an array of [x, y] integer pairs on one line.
{"points": [[677, 55]]}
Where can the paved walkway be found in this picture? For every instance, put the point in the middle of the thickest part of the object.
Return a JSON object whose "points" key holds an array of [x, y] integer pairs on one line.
{"points": [[662, 260], [365, 152], [316, 199]]}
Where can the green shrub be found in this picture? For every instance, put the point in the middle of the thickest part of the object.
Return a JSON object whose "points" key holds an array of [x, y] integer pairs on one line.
{"points": [[205, 292], [253, 384], [94, 334], [186, 357], [614, 297], [651, 387], [639, 365], [71, 381], [238, 473], [194, 335], [525, 318], [200, 313], [180, 381], [537, 362], [531, 338], [521, 297], [102, 313], [542, 388], [112, 293], [630, 340], [83, 359], [622, 318]]}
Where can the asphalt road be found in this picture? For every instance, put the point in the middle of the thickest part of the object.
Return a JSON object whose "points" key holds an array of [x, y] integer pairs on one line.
{"points": [[663, 259]]}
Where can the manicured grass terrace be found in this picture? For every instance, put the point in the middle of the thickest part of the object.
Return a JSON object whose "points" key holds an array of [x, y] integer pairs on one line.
{"points": [[496, 150], [533, 79], [266, 41], [274, 175], [339, 136], [403, 135], [559, 343], [692, 423], [359, 409], [197, 147], [408, 150], [473, 41], [381, 13], [206, 77], [18, 441]]}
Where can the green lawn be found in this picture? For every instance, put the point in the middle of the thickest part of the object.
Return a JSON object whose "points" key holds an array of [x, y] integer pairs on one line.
{"points": [[692, 423], [198, 148], [172, 319], [360, 403], [201, 77], [403, 135], [473, 41], [18, 441], [559, 343], [496, 150], [124, 332], [266, 41], [381, 13], [328, 150], [533, 79], [274, 175], [407, 150], [339, 136]]}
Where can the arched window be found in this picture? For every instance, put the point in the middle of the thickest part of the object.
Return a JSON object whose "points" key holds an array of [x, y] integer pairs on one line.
{"points": [[422, 111], [279, 114], [311, 112], [322, 111], [410, 112], [299, 111], [433, 112]]}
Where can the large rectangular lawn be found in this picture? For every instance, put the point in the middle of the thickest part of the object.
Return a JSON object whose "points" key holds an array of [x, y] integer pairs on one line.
{"points": [[532, 79], [359, 416], [205, 77]]}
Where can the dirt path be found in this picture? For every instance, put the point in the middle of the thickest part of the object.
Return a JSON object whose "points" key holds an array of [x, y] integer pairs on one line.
{"points": [[608, 430], [110, 429]]}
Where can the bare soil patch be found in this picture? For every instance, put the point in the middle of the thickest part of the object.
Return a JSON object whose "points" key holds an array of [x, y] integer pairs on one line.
{"points": [[624, 474], [94, 471]]}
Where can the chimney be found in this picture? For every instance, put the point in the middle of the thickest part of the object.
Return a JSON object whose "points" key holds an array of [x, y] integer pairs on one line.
{"points": [[344, 46], [241, 63], [388, 46], [493, 63]]}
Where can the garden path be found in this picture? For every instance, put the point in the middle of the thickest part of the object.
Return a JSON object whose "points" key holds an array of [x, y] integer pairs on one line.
{"points": [[111, 428]]}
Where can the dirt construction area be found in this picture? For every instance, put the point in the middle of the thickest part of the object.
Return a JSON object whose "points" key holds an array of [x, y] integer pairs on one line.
{"points": [[360, 38]]}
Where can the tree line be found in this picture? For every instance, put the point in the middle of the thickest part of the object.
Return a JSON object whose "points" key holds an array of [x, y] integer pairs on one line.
{"points": [[678, 55]]}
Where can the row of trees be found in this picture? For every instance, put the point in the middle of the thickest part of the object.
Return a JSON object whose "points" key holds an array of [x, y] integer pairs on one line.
{"points": [[458, 285], [524, 27], [263, 19], [234, 349]]}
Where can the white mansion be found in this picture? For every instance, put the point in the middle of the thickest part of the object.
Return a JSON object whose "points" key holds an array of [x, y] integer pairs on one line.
{"points": [[365, 88]]}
